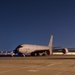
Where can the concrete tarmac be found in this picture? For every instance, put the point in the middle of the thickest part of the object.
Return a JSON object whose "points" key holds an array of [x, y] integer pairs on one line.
{"points": [[41, 65]]}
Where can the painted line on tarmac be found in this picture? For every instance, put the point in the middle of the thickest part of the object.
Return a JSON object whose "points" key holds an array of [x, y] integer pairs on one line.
{"points": [[39, 68], [65, 71], [53, 64], [32, 70], [16, 69]]}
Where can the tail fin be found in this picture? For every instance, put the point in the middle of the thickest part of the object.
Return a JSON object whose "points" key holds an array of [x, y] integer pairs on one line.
{"points": [[50, 44]]}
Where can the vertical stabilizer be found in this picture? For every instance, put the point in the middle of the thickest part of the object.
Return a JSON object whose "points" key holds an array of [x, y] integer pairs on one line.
{"points": [[50, 44]]}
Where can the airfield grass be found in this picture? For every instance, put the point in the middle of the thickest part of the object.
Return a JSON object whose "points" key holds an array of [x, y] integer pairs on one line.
{"points": [[45, 65]]}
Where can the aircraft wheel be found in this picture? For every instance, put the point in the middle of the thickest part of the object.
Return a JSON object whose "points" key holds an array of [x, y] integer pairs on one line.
{"points": [[48, 52]]}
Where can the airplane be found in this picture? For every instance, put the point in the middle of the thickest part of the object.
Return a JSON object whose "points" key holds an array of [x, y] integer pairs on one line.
{"points": [[34, 50]]}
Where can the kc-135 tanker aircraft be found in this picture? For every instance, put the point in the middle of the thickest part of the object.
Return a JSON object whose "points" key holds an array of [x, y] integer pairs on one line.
{"points": [[38, 50], [34, 50]]}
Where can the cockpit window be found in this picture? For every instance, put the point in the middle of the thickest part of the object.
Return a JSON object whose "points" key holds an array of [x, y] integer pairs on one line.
{"points": [[19, 47]]}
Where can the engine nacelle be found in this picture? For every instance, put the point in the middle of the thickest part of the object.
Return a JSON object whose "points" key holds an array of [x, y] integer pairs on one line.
{"points": [[65, 51]]}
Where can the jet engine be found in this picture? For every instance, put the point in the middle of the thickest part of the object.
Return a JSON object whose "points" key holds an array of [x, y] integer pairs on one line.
{"points": [[65, 50]]}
